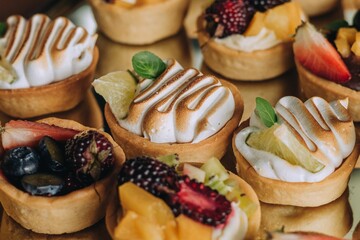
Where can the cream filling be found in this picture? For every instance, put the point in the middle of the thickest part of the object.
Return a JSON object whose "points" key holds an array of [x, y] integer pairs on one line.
{"points": [[180, 106], [264, 40], [326, 129], [235, 228], [42, 51]]}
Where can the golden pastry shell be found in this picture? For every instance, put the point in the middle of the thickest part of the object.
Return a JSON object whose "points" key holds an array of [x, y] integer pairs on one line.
{"points": [[140, 25], [245, 66], [301, 194], [61, 214], [214, 146], [55, 97], [311, 85]]}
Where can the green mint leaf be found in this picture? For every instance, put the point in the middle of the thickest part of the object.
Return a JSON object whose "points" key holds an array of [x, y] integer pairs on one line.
{"points": [[266, 112], [148, 65], [335, 25], [2, 28]]}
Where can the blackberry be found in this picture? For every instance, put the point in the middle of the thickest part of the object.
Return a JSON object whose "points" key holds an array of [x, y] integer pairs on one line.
{"points": [[224, 18], [90, 155], [150, 174], [263, 5]]}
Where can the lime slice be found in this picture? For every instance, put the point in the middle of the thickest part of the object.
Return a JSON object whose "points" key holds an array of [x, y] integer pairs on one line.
{"points": [[7, 73], [118, 89], [280, 141]]}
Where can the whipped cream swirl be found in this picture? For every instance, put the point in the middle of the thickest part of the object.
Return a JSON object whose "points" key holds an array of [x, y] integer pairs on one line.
{"points": [[326, 129], [182, 106], [42, 51], [265, 39]]}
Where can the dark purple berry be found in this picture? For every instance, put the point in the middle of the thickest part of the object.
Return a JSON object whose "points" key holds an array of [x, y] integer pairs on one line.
{"points": [[41, 184], [227, 17], [20, 161], [263, 5], [52, 154], [71, 183], [150, 174], [89, 155]]}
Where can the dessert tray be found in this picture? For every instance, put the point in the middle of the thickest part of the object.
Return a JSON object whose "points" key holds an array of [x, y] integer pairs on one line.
{"points": [[338, 218]]}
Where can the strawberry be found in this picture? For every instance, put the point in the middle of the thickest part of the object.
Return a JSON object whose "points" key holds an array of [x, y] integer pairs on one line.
{"points": [[17, 133], [316, 54]]}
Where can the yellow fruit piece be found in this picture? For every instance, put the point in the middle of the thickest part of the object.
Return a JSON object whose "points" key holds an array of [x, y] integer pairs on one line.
{"points": [[256, 24], [126, 229], [283, 19], [342, 47], [171, 231], [118, 89], [355, 48], [279, 141], [138, 200], [148, 230], [348, 34], [190, 229], [143, 2]]}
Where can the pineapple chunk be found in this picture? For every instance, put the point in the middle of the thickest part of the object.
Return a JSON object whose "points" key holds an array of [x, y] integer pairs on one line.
{"points": [[355, 48], [148, 230], [343, 47], [348, 34], [125, 3], [256, 24], [190, 229], [126, 229], [171, 231], [138, 200]]}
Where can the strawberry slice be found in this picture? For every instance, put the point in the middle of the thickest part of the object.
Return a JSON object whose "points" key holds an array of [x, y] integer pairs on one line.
{"points": [[316, 54], [18, 133]]}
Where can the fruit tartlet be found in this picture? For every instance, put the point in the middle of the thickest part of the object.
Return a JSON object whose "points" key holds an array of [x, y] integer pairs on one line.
{"points": [[329, 71], [56, 175], [249, 40], [166, 109], [299, 154], [139, 22], [46, 65], [203, 203]]}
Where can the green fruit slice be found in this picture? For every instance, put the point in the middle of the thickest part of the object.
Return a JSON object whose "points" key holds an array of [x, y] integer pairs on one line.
{"points": [[280, 141], [118, 89]]}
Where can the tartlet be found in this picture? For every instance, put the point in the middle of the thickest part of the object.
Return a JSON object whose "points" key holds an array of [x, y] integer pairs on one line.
{"points": [[311, 188], [115, 214], [214, 146], [325, 71], [334, 219], [53, 95], [269, 55], [139, 25], [61, 214]]}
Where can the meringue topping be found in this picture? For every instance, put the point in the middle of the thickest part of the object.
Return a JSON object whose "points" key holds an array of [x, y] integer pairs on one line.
{"points": [[326, 129], [42, 51], [181, 105]]}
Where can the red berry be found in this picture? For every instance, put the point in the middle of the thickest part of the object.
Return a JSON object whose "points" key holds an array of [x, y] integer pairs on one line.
{"points": [[18, 133], [90, 155], [314, 52], [228, 17]]}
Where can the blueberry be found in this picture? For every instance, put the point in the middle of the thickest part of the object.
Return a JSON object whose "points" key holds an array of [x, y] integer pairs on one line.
{"points": [[20, 161], [53, 154], [42, 184]]}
